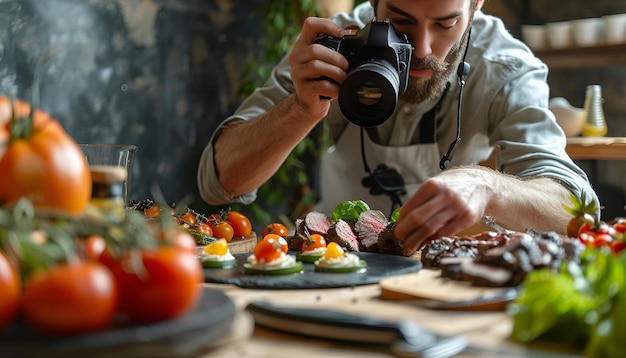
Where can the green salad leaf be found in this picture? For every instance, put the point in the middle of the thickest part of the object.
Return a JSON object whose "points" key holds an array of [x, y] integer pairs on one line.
{"points": [[349, 210], [582, 305], [394, 215]]}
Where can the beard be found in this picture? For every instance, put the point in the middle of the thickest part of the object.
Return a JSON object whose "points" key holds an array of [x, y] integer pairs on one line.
{"points": [[423, 89]]}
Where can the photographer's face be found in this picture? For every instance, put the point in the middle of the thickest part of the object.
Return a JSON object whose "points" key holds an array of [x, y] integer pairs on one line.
{"points": [[437, 29]]}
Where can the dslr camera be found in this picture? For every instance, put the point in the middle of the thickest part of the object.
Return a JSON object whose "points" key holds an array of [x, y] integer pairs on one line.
{"points": [[378, 74]]}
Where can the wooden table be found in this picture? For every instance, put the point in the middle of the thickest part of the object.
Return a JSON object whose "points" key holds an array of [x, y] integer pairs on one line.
{"points": [[487, 331], [597, 148]]}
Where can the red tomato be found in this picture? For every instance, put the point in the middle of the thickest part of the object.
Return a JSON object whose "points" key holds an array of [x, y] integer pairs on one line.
{"points": [[278, 241], [602, 240], [221, 229], [276, 228], [586, 228], [152, 212], [587, 238], [94, 246], [204, 228], [43, 164], [620, 227], [167, 288], [618, 246], [240, 223], [188, 220], [316, 241], [70, 298], [270, 248], [11, 291]]}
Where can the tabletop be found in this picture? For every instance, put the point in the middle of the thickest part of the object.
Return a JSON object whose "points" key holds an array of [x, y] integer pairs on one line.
{"points": [[487, 331]]}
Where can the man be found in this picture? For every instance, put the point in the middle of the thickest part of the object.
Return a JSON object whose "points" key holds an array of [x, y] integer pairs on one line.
{"points": [[504, 107]]}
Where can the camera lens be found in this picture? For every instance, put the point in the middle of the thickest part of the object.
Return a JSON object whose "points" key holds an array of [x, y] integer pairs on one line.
{"points": [[369, 94]]}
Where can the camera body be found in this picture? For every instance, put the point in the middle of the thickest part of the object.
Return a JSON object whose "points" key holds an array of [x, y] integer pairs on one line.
{"points": [[379, 62], [384, 180]]}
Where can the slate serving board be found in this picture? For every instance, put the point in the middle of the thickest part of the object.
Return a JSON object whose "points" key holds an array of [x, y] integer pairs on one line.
{"points": [[185, 336], [379, 266]]}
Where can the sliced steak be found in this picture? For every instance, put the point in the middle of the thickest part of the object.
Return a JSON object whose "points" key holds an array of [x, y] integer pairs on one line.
{"points": [[341, 233], [389, 244], [367, 228], [313, 222]]}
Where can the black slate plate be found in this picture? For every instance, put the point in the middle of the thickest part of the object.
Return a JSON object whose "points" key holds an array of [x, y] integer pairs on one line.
{"points": [[378, 267], [182, 337]]}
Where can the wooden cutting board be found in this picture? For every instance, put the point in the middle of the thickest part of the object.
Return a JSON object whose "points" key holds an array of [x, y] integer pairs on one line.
{"points": [[240, 246], [427, 284]]}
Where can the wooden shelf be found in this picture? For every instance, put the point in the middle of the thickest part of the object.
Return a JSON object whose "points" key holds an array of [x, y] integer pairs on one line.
{"points": [[591, 148], [597, 148], [584, 57]]}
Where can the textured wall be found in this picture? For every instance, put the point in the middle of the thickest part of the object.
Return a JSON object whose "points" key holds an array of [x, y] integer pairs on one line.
{"points": [[159, 74]]}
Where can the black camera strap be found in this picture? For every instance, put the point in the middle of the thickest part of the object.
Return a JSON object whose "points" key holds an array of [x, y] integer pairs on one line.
{"points": [[427, 134]]}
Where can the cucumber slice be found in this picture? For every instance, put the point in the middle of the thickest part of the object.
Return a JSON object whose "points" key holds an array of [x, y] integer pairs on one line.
{"points": [[219, 264], [308, 258], [361, 268], [248, 269]]}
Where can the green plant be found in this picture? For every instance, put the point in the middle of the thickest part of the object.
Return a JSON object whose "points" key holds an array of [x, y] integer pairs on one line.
{"points": [[289, 189]]}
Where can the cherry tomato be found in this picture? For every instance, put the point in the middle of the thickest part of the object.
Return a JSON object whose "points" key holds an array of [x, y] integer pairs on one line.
{"points": [[620, 227], [276, 228], [152, 212], [11, 291], [618, 246], [167, 287], [219, 247], [188, 220], [334, 251], [586, 228], [587, 238], [221, 229], [604, 228], [240, 223], [204, 228], [278, 241], [268, 249], [602, 240], [316, 241], [73, 298], [94, 246]]}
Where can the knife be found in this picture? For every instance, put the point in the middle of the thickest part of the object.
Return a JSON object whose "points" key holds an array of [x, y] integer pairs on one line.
{"points": [[405, 338]]}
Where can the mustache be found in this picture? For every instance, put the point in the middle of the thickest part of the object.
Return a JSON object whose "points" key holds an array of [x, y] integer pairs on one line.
{"points": [[429, 62]]}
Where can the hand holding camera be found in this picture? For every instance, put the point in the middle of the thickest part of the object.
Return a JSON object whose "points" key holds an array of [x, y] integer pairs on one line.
{"points": [[379, 61]]}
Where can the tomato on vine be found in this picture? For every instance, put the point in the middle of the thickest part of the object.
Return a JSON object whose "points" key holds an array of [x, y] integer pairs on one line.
{"points": [[222, 229], [242, 227]]}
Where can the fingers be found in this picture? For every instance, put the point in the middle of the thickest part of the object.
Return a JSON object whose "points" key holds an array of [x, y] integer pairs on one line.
{"points": [[434, 211], [317, 70]]}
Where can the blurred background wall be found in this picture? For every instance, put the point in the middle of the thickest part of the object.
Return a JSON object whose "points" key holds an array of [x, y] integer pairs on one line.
{"points": [[162, 74]]}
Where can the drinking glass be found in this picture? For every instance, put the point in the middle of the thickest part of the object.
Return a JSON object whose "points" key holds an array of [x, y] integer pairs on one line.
{"points": [[117, 155]]}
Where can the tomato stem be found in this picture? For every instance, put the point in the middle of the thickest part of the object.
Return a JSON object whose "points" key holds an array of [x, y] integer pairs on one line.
{"points": [[21, 128]]}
